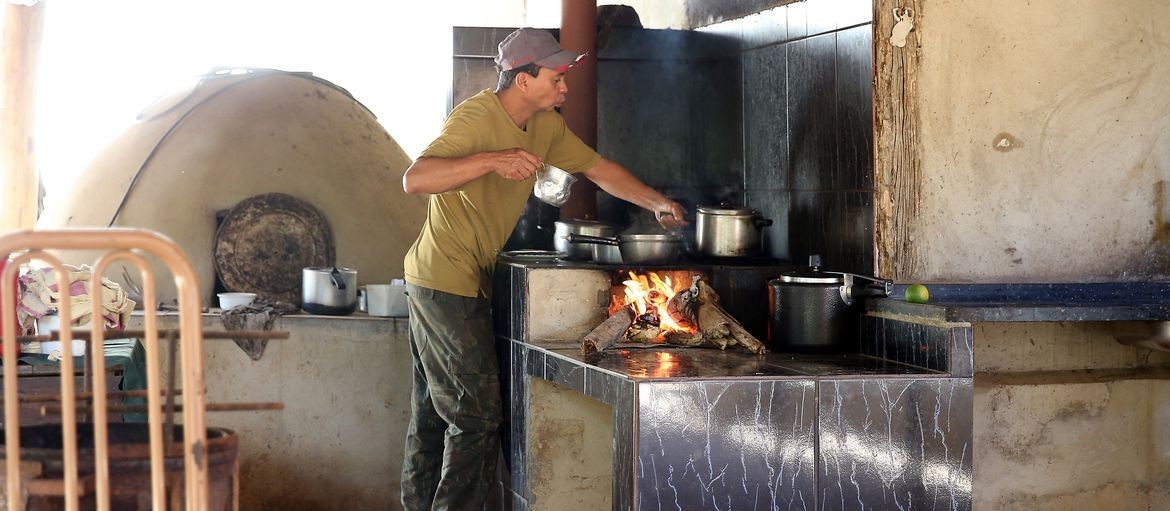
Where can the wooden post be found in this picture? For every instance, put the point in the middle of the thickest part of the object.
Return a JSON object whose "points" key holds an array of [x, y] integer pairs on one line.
{"points": [[579, 34], [19, 52], [897, 160]]}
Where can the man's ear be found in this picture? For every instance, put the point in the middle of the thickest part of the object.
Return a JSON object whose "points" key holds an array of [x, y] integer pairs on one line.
{"points": [[521, 81]]}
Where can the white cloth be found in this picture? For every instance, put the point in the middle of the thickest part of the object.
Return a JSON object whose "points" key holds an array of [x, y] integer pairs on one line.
{"points": [[39, 297]]}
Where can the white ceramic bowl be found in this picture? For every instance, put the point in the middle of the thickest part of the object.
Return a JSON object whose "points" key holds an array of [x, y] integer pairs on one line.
{"points": [[229, 301]]}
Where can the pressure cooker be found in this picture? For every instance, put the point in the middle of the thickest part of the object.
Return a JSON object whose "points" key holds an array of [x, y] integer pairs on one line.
{"points": [[814, 310]]}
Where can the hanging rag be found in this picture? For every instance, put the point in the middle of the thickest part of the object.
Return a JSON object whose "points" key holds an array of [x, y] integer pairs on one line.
{"points": [[260, 315]]}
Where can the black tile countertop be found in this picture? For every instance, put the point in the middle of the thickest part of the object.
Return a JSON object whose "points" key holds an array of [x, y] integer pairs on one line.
{"points": [[663, 362], [1108, 301]]}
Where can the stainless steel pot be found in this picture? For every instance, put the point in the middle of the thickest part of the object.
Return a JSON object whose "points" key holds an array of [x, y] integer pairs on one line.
{"points": [[729, 232], [328, 290], [639, 248], [819, 311], [577, 251]]}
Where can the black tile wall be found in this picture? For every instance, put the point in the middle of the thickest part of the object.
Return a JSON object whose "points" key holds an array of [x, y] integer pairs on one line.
{"points": [[765, 118], [774, 205], [854, 127], [807, 128], [812, 109], [658, 147], [946, 349]]}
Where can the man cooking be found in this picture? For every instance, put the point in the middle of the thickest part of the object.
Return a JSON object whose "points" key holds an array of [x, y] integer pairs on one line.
{"points": [[479, 172]]}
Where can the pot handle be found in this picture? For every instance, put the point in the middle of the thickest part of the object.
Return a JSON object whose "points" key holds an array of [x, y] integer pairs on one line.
{"points": [[597, 240], [762, 222], [874, 288], [335, 276]]}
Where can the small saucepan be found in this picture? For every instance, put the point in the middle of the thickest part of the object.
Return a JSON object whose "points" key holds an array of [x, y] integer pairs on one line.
{"points": [[639, 248]]}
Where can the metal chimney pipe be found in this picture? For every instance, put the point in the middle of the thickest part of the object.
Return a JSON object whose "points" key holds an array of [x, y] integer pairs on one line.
{"points": [[579, 34]]}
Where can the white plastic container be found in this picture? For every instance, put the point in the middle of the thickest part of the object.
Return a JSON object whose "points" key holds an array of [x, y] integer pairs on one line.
{"points": [[228, 301], [48, 323], [386, 300]]}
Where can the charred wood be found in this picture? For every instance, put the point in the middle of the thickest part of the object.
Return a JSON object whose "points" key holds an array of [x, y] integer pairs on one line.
{"points": [[608, 332], [644, 333]]}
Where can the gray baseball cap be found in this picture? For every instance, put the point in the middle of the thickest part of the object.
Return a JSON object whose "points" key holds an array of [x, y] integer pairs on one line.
{"points": [[531, 45]]}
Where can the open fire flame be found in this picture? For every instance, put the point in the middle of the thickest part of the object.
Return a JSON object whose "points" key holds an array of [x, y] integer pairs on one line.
{"points": [[649, 295]]}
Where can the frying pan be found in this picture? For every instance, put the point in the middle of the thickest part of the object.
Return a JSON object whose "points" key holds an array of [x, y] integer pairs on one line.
{"points": [[639, 248]]}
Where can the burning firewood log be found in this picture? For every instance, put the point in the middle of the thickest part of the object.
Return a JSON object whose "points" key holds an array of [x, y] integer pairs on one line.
{"points": [[704, 324], [716, 323], [714, 327], [681, 307], [608, 332]]}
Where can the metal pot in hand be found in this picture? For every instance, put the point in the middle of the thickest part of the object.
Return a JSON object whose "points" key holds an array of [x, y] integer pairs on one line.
{"points": [[328, 290], [819, 311], [579, 251], [722, 231], [639, 248]]}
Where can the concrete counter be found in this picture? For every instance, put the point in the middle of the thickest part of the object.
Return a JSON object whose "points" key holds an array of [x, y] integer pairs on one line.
{"points": [[345, 384]]}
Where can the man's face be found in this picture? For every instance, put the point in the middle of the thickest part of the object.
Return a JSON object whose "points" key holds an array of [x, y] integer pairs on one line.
{"points": [[547, 90]]}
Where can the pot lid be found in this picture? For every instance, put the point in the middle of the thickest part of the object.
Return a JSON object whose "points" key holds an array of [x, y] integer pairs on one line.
{"points": [[812, 274], [265, 241], [584, 223], [726, 211]]}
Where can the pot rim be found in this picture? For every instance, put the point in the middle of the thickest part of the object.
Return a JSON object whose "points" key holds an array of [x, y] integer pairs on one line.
{"points": [[665, 238], [328, 269], [722, 211], [583, 223]]}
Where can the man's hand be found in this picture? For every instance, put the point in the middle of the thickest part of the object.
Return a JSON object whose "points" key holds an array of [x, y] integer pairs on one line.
{"points": [[515, 164], [671, 215]]}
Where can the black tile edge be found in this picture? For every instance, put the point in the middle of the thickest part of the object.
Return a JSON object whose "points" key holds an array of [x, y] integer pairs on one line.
{"points": [[962, 355]]}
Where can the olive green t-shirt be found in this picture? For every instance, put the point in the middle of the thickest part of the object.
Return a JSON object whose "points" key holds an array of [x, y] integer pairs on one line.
{"points": [[465, 228]]}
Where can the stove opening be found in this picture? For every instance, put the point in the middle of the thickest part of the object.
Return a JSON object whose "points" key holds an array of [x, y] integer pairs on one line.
{"points": [[649, 294]]}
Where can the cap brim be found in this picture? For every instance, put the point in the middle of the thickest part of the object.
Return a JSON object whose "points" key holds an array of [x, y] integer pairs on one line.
{"points": [[561, 60]]}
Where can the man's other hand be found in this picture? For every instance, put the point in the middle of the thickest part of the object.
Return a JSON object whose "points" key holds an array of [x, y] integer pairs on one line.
{"points": [[671, 216], [515, 164]]}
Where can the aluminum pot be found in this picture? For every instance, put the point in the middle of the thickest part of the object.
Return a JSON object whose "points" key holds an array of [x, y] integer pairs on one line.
{"points": [[328, 290], [578, 251], [729, 232], [639, 248], [818, 311]]}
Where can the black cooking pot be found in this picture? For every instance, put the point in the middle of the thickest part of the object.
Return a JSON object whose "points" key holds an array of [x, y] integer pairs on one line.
{"points": [[819, 311]]}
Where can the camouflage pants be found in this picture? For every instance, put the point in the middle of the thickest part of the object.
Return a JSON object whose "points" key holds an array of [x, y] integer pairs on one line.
{"points": [[453, 438]]}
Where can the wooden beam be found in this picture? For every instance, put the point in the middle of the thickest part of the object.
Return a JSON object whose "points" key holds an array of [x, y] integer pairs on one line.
{"points": [[898, 162], [19, 52]]}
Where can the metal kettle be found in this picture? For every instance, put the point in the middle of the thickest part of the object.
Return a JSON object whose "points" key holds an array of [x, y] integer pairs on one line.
{"points": [[813, 310]]}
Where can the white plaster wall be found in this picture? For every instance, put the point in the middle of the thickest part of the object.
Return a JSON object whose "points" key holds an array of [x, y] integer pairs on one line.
{"points": [[570, 465], [1082, 90], [1065, 417], [1072, 446], [564, 305], [338, 443], [1070, 346]]}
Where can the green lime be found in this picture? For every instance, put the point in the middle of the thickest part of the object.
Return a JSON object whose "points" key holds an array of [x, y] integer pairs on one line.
{"points": [[917, 293]]}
